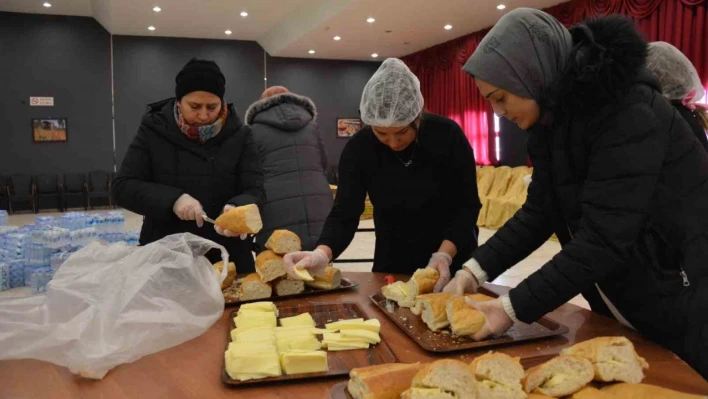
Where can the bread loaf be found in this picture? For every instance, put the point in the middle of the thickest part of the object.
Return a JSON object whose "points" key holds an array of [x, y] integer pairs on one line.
{"points": [[464, 319], [560, 376], [269, 266], [253, 288], [444, 377], [241, 220], [592, 393], [498, 376], [331, 278], [613, 359], [422, 282], [646, 391], [230, 273], [385, 381], [283, 242], [433, 310], [289, 287]]}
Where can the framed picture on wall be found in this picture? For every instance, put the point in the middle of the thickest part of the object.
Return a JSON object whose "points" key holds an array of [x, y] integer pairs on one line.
{"points": [[49, 130], [346, 127]]}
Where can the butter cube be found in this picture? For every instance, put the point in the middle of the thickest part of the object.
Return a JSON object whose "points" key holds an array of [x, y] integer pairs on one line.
{"points": [[370, 325], [362, 335], [336, 325], [302, 274], [304, 319], [297, 362], [264, 306], [253, 335], [245, 365], [298, 343], [252, 320], [346, 346]]}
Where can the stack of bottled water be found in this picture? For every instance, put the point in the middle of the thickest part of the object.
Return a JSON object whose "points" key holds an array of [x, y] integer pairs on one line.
{"points": [[57, 259], [4, 276], [46, 221], [3, 217]]}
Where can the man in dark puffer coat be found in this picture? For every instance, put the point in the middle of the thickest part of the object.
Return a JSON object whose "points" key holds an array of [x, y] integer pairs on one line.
{"points": [[618, 176], [294, 164]]}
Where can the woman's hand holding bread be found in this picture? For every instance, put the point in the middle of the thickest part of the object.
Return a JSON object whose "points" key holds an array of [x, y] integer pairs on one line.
{"points": [[441, 262], [315, 262], [497, 321], [229, 233], [463, 283]]}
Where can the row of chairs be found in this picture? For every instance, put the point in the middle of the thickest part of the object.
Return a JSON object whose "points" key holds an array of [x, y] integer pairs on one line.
{"points": [[36, 191]]}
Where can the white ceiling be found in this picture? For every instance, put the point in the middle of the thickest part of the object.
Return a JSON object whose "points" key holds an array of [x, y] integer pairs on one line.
{"points": [[290, 28]]}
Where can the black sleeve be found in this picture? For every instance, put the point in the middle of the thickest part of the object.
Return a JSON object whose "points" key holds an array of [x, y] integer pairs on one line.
{"points": [[625, 161], [343, 219], [251, 175], [693, 123], [321, 147], [464, 166], [133, 188]]}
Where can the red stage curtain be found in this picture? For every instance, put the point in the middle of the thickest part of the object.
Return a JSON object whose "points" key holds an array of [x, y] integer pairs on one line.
{"points": [[449, 91]]}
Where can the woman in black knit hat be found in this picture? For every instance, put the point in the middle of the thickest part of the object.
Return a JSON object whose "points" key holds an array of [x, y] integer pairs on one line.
{"points": [[192, 156]]}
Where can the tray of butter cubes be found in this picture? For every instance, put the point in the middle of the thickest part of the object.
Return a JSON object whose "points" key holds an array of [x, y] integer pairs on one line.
{"points": [[269, 344]]}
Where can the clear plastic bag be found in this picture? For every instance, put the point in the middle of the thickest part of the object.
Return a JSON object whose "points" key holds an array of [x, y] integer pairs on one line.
{"points": [[109, 305]]}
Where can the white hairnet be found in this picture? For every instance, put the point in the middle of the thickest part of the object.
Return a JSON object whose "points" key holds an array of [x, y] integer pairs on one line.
{"points": [[675, 72], [392, 96]]}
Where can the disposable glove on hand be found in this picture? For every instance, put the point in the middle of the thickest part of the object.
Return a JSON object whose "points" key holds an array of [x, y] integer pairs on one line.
{"points": [[314, 262], [441, 262]]}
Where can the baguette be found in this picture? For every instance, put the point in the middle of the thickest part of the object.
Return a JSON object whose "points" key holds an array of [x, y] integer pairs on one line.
{"points": [[447, 376], [269, 266], [385, 381], [230, 273], [592, 393], [560, 376], [253, 288], [613, 359], [464, 319], [241, 220], [433, 310], [289, 287], [330, 279], [646, 391], [498, 376], [283, 242], [422, 282]]}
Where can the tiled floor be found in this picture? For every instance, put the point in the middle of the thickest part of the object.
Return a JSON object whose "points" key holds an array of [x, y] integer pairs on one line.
{"points": [[363, 248]]}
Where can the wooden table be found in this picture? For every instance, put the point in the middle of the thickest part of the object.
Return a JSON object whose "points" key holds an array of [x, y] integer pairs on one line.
{"points": [[193, 369]]}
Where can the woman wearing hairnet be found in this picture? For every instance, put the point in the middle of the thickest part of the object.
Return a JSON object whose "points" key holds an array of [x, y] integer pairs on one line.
{"points": [[681, 85], [419, 172], [617, 177]]}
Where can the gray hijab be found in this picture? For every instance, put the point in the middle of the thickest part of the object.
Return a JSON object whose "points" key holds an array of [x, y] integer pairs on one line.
{"points": [[523, 53]]}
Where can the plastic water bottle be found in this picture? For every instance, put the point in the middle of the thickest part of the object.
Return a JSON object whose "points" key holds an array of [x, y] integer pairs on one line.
{"points": [[3, 217], [17, 273], [4, 276]]}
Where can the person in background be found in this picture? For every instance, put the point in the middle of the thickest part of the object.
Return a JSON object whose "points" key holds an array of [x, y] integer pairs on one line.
{"points": [[681, 85], [419, 171], [617, 177], [192, 155], [294, 165]]}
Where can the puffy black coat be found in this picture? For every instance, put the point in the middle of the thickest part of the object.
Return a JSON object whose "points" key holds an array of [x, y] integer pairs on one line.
{"points": [[623, 182], [162, 164], [692, 120], [294, 164]]}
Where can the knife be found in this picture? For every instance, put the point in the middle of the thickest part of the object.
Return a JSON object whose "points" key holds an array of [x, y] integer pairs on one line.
{"points": [[207, 218]]}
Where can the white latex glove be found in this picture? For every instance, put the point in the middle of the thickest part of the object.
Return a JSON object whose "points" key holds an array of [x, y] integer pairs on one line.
{"points": [[463, 283], [497, 321], [229, 233], [314, 262], [441, 262], [188, 208]]}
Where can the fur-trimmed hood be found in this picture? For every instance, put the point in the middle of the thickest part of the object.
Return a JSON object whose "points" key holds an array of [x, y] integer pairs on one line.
{"points": [[289, 112], [608, 58]]}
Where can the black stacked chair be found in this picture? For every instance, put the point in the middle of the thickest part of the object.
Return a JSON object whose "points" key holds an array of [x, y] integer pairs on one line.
{"points": [[3, 193], [73, 187], [21, 190], [48, 191], [99, 187]]}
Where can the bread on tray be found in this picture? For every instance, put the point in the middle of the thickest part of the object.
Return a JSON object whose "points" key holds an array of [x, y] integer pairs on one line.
{"points": [[646, 391], [613, 359], [443, 379], [433, 310], [253, 288], [464, 319], [241, 220], [498, 376], [230, 273], [286, 286], [283, 242], [330, 279], [422, 282], [269, 266], [560, 376], [385, 381]]}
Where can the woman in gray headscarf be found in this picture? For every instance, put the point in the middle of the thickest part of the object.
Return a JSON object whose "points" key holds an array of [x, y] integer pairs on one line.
{"points": [[617, 177]]}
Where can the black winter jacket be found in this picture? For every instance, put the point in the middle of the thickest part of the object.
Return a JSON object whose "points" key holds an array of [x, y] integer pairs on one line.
{"points": [[294, 163], [621, 179], [162, 164]]}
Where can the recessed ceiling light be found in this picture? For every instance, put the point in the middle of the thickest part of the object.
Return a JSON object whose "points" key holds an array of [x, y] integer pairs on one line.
{"points": [[47, 5], [448, 27], [228, 32], [371, 20], [244, 14], [157, 9], [374, 55], [311, 51], [337, 38], [501, 7], [151, 27]]}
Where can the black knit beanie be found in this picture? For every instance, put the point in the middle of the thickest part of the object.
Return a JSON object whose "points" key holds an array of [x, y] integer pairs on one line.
{"points": [[200, 75]]}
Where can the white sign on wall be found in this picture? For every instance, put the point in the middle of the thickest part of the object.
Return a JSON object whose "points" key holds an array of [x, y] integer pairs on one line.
{"points": [[41, 101]]}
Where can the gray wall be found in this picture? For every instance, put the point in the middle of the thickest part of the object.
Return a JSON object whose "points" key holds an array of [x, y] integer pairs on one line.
{"points": [[67, 58], [334, 86], [144, 70]]}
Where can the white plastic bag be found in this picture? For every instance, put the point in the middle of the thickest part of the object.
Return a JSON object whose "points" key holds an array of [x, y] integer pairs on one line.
{"points": [[109, 305]]}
